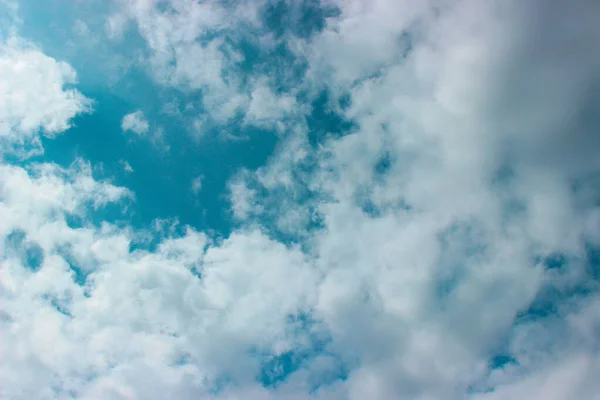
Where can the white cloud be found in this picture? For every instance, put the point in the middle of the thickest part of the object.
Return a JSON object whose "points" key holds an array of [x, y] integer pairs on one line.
{"points": [[197, 184], [267, 107], [89, 317], [417, 275], [139, 313], [366, 39], [424, 295], [135, 122], [10, 10], [34, 98], [242, 198], [178, 59], [190, 47], [126, 166]]}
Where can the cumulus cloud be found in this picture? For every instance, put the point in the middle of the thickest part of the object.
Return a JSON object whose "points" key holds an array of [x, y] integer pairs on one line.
{"points": [[216, 49], [266, 107], [137, 312], [459, 178], [446, 247], [35, 97], [135, 122], [90, 310], [179, 59]]}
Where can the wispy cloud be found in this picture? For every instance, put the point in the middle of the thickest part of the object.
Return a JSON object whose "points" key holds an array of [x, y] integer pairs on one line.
{"points": [[197, 184]]}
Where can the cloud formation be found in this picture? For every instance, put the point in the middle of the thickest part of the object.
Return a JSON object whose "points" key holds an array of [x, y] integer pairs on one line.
{"points": [[34, 96], [443, 244], [135, 122]]}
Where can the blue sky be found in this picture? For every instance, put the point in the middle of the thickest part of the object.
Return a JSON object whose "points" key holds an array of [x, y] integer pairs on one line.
{"points": [[326, 199], [97, 136]]}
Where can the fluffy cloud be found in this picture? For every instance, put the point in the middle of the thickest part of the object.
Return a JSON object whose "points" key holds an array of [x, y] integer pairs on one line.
{"points": [[460, 176], [93, 308], [444, 248], [135, 122], [223, 51], [91, 317], [178, 56], [34, 96], [266, 107]]}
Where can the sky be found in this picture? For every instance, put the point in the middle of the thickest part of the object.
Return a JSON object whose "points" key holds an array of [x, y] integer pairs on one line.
{"points": [[318, 199]]}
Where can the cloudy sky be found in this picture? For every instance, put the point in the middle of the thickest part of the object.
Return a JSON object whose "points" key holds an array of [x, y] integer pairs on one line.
{"points": [[318, 199]]}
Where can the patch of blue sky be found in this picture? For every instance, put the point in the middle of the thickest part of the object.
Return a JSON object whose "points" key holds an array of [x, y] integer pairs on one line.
{"points": [[58, 28], [501, 360], [559, 293], [545, 314], [60, 305], [276, 369], [282, 68], [384, 164], [302, 19], [327, 119], [161, 179], [79, 274], [593, 262], [30, 253]]}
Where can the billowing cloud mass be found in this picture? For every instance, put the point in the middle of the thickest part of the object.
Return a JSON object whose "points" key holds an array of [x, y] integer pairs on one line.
{"points": [[425, 223]]}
